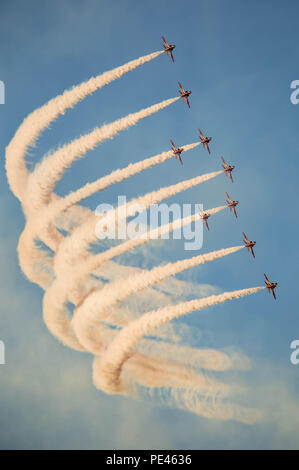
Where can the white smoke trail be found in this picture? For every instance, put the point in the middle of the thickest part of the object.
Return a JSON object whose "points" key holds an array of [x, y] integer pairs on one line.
{"points": [[95, 261], [98, 304], [38, 120], [55, 298], [150, 372], [75, 247], [52, 210], [209, 359], [26, 247], [107, 374], [149, 369], [115, 177], [51, 169], [52, 237], [42, 225], [35, 263], [203, 404], [55, 314]]}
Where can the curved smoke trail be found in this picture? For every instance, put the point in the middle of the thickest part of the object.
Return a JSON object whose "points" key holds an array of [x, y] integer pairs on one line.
{"points": [[108, 373], [75, 247], [51, 169], [99, 303], [41, 118], [135, 352]]}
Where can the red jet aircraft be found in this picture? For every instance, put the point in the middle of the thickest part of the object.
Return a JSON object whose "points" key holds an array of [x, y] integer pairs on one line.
{"points": [[270, 286], [232, 204], [205, 140], [228, 169], [168, 48], [204, 216], [249, 244], [184, 94], [176, 151]]}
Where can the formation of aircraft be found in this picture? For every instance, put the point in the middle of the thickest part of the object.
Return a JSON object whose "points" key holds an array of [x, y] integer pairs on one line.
{"points": [[176, 151], [205, 140], [232, 204], [168, 48], [228, 169], [184, 94], [270, 286], [249, 244]]}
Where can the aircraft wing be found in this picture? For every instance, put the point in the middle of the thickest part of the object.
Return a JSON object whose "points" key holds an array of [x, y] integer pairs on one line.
{"points": [[180, 159], [171, 56], [273, 294], [225, 164], [164, 40], [187, 101], [228, 198], [235, 212], [201, 134], [208, 148], [172, 143], [266, 278], [231, 177], [245, 237], [252, 252], [181, 86]]}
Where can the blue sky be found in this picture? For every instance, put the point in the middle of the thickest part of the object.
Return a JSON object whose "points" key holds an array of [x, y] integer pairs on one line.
{"points": [[239, 59]]}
